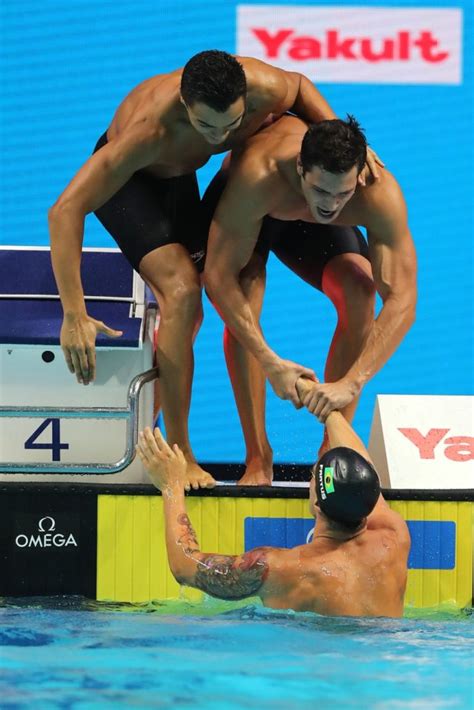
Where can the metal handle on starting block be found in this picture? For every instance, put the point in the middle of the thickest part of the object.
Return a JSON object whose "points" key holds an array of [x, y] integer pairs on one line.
{"points": [[130, 413]]}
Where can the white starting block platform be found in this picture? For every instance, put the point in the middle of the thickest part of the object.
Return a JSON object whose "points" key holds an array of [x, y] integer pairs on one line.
{"points": [[51, 427], [424, 441]]}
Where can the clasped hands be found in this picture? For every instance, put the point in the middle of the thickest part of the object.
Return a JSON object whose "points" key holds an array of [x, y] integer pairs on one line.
{"points": [[166, 464], [321, 398]]}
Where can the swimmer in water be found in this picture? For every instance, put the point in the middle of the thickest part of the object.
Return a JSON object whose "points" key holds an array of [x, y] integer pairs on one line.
{"points": [[355, 565], [141, 184]]}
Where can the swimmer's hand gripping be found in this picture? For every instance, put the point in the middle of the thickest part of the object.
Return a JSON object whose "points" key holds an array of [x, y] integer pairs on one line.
{"points": [[370, 168], [283, 376], [322, 398], [78, 335]]}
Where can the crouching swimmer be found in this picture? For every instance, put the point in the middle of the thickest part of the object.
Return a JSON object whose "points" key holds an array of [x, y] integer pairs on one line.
{"points": [[355, 565]]}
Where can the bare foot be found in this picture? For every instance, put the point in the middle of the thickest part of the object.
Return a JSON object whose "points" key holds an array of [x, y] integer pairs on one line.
{"points": [[197, 477], [257, 475]]}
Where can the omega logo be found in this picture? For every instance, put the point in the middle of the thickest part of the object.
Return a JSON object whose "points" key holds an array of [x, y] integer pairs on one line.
{"points": [[46, 537]]}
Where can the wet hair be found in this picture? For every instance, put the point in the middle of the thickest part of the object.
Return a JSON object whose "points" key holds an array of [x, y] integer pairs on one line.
{"points": [[213, 78], [335, 146], [347, 486]]}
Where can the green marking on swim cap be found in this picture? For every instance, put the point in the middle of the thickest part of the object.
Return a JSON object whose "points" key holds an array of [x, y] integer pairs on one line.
{"points": [[329, 479]]}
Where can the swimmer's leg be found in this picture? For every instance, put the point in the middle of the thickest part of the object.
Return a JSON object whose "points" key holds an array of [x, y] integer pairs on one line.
{"points": [[334, 259], [156, 382], [175, 283], [348, 283], [248, 383]]}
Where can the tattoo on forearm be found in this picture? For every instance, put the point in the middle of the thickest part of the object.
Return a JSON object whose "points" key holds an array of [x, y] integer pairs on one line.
{"points": [[230, 577], [187, 540]]}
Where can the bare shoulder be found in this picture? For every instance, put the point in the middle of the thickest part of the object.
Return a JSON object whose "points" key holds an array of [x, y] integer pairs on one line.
{"points": [[265, 83], [284, 566], [252, 161], [149, 109], [140, 137], [382, 201], [258, 73], [385, 519], [265, 152], [253, 177]]}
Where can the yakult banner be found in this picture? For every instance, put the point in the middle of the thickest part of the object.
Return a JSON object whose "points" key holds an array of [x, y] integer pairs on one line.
{"points": [[423, 441], [355, 44]]}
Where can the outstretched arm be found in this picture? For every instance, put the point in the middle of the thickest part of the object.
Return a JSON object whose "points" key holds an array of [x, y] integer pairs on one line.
{"points": [[393, 260], [232, 239], [99, 178], [394, 267], [222, 576], [341, 433]]}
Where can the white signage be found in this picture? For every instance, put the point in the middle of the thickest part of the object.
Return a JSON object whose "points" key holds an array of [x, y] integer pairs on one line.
{"points": [[355, 44], [423, 441], [47, 536]]}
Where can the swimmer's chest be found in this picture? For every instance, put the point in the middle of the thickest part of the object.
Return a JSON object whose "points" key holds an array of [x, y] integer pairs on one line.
{"points": [[183, 150]]}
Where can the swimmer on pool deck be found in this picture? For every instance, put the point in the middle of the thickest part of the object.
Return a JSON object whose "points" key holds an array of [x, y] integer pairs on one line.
{"points": [[355, 565], [141, 184], [294, 191]]}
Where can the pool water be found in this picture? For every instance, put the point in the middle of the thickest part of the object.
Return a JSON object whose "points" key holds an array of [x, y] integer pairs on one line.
{"points": [[72, 653]]}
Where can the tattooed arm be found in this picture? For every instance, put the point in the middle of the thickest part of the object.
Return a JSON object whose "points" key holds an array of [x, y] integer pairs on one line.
{"points": [[223, 576]]}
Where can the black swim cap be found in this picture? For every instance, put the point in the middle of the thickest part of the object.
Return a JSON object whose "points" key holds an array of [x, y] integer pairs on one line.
{"points": [[347, 485]]}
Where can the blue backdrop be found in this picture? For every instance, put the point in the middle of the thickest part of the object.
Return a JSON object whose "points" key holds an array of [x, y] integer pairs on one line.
{"points": [[66, 66]]}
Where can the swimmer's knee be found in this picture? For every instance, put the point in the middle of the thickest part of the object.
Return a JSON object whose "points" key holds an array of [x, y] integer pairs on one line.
{"points": [[351, 288], [184, 294], [361, 286], [181, 299]]}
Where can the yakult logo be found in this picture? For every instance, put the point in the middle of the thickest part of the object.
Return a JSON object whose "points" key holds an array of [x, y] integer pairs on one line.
{"points": [[457, 448], [363, 45], [46, 536], [335, 45]]}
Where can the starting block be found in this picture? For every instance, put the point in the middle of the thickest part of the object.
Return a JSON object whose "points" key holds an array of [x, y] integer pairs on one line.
{"points": [[51, 427]]}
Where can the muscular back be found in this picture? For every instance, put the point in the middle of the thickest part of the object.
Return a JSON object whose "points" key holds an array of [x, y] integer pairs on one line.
{"points": [[365, 576]]}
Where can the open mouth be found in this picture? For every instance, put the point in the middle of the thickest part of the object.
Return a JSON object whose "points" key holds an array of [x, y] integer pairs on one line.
{"points": [[326, 214], [216, 141]]}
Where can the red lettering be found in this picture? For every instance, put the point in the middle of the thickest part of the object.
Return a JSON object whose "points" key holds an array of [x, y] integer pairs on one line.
{"points": [[404, 45], [272, 43], [337, 48], [461, 449], [371, 56], [425, 444], [426, 43], [305, 48]]}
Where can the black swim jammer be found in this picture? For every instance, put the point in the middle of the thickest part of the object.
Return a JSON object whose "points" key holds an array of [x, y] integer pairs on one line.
{"points": [[150, 212]]}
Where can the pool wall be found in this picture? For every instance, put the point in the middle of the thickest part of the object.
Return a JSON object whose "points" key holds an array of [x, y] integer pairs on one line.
{"points": [[108, 543]]}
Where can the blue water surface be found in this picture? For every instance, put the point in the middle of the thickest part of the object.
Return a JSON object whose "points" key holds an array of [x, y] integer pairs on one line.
{"points": [[64, 653]]}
